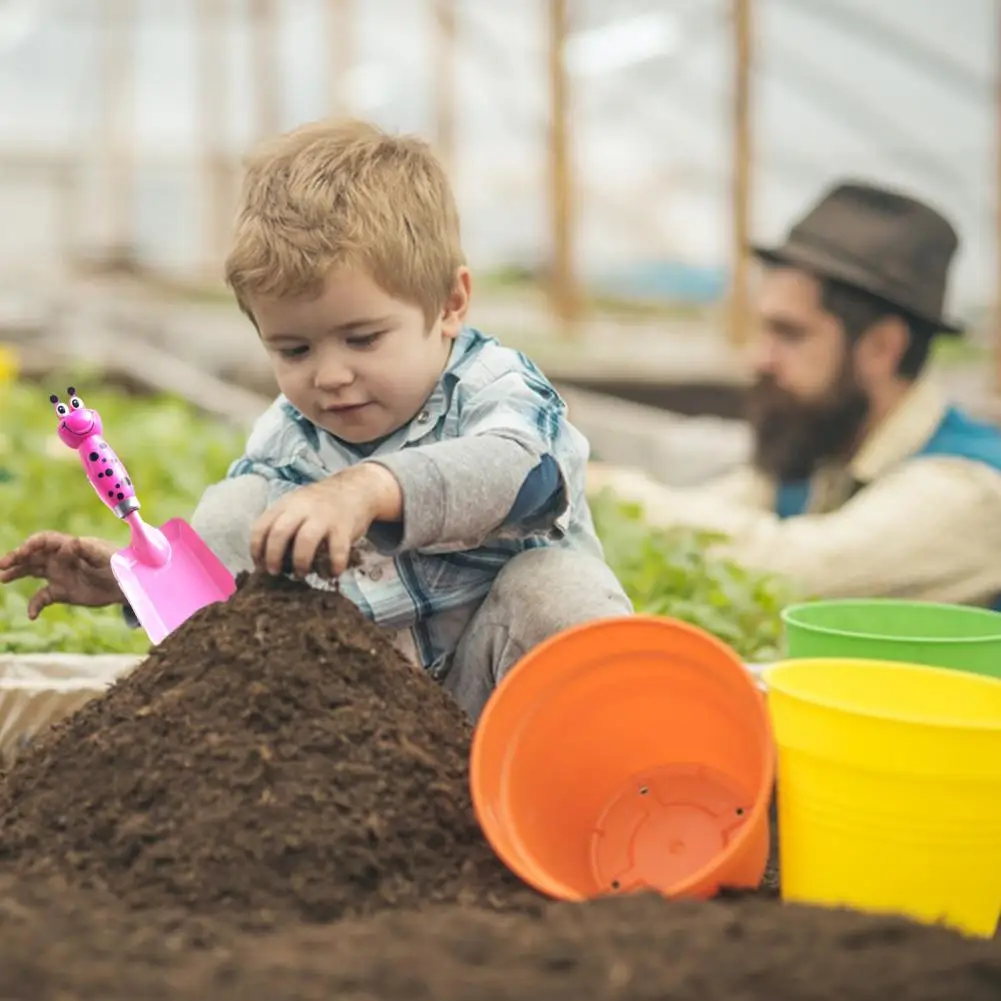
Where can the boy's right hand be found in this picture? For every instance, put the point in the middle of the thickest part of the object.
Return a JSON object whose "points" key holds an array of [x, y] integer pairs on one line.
{"points": [[77, 570]]}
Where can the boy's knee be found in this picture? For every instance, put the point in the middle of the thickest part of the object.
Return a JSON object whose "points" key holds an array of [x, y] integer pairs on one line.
{"points": [[538, 594], [542, 591]]}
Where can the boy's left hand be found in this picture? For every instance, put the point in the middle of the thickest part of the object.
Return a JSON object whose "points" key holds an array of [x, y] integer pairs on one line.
{"points": [[338, 510]]}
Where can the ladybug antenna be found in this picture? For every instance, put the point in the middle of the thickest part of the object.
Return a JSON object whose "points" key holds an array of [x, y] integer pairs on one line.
{"points": [[53, 398], [71, 391]]}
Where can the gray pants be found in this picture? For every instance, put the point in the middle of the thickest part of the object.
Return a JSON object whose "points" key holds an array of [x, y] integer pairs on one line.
{"points": [[539, 593]]}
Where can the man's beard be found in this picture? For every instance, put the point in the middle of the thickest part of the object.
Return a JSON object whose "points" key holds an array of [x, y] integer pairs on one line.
{"points": [[792, 437]]}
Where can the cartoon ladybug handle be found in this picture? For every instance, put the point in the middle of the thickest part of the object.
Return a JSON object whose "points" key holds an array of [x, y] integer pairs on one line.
{"points": [[80, 428]]}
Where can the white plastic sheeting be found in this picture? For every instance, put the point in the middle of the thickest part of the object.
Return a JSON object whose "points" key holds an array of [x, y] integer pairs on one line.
{"points": [[37, 690]]}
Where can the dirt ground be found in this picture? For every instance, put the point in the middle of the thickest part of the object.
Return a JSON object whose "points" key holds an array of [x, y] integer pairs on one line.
{"points": [[275, 806], [61, 945]]}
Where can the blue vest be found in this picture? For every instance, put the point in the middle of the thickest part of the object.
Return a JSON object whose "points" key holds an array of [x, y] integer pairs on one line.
{"points": [[957, 435]]}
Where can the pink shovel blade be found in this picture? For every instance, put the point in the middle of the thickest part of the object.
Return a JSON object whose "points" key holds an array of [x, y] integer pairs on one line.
{"points": [[164, 597]]}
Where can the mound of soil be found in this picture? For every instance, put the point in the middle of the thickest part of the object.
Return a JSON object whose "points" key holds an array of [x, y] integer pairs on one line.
{"points": [[273, 756], [627, 949]]}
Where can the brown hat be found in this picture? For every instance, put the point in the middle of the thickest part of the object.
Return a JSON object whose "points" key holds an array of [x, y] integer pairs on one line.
{"points": [[879, 241]]}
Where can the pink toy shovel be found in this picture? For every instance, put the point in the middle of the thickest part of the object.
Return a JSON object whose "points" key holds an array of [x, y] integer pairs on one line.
{"points": [[165, 574]]}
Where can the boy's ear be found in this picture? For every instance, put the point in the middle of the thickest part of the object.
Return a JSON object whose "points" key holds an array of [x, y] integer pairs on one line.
{"points": [[454, 313]]}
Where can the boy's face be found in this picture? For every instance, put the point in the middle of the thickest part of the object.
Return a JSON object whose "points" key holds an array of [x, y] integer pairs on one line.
{"points": [[354, 360]]}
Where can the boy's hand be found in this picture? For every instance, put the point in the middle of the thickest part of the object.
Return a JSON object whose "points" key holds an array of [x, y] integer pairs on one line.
{"points": [[338, 510], [77, 570]]}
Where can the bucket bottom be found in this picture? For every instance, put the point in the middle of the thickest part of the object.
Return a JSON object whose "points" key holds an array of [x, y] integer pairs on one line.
{"points": [[664, 825]]}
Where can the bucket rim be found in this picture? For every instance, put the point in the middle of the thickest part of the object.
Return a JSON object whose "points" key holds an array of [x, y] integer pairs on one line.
{"points": [[789, 612], [961, 677]]}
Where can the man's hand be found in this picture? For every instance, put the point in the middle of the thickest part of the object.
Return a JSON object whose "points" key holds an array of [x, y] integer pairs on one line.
{"points": [[77, 570], [338, 510]]}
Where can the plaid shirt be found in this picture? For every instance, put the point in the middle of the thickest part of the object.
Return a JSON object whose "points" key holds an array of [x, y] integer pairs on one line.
{"points": [[429, 595]]}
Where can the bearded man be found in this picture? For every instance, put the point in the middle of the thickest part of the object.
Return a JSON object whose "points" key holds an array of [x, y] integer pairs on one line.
{"points": [[865, 480]]}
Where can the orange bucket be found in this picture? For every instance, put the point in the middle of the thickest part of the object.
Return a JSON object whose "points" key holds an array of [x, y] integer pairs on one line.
{"points": [[626, 754]]}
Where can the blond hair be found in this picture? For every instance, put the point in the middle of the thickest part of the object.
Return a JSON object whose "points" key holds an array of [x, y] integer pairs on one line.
{"points": [[330, 194]]}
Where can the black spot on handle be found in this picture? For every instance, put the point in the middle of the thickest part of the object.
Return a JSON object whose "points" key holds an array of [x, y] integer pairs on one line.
{"points": [[121, 496], [94, 456], [128, 481], [111, 493]]}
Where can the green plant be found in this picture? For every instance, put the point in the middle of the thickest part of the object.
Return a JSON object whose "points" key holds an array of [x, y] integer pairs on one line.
{"points": [[680, 573]]}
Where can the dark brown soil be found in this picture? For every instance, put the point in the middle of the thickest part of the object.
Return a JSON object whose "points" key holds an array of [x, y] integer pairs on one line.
{"points": [[273, 757], [274, 807], [627, 949]]}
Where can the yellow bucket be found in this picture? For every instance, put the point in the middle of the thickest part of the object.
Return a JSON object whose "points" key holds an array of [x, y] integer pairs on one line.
{"points": [[889, 789]]}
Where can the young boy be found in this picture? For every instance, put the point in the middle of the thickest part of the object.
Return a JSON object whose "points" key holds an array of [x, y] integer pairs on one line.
{"points": [[442, 460]]}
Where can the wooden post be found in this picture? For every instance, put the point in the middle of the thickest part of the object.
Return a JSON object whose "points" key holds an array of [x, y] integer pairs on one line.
{"points": [[342, 55], [444, 69], [264, 30], [216, 178], [563, 290], [738, 327], [118, 32]]}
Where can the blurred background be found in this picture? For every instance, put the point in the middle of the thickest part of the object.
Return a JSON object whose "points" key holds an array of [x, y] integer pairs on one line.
{"points": [[611, 160]]}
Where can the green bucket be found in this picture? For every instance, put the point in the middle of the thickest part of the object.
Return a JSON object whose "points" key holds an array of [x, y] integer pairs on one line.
{"points": [[916, 632]]}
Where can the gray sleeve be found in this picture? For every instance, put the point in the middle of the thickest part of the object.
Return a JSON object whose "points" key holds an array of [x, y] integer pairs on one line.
{"points": [[224, 518], [457, 493]]}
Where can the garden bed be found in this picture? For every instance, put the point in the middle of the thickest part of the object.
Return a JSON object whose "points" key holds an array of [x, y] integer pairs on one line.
{"points": [[275, 806]]}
